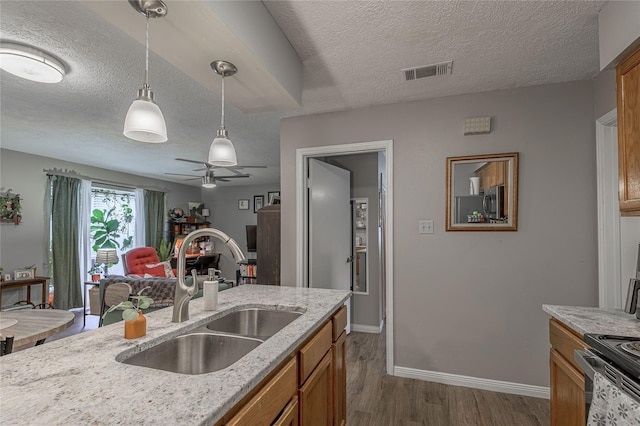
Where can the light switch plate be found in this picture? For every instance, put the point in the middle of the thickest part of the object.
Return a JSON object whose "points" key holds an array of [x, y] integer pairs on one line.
{"points": [[425, 226]]}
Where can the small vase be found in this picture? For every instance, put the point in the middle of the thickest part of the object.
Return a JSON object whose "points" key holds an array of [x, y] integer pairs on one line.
{"points": [[95, 277], [135, 328]]}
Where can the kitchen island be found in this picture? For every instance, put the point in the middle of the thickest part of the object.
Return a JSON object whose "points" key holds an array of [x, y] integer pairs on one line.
{"points": [[77, 380]]}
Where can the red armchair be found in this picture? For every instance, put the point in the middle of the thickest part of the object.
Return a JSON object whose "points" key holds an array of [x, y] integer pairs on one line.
{"points": [[135, 260]]}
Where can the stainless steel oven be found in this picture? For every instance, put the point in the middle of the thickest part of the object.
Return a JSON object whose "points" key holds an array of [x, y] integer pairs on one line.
{"points": [[617, 358]]}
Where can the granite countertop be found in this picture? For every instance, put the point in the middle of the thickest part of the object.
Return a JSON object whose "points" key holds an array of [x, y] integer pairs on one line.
{"points": [[76, 380], [595, 320]]}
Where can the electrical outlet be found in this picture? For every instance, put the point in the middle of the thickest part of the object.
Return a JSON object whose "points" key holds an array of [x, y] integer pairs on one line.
{"points": [[425, 226]]}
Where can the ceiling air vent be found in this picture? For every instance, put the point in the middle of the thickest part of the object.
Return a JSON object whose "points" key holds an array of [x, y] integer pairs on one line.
{"points": [[428, 70]]}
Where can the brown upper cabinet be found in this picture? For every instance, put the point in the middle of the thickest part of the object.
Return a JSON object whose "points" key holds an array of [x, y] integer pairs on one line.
{"points": [[628, 93]]}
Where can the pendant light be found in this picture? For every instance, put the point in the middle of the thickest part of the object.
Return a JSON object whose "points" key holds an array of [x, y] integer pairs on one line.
{"points": [[144, 121], [222, 152]]}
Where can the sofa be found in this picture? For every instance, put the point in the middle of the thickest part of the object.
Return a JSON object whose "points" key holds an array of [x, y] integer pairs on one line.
{"points": [[161, 290]]}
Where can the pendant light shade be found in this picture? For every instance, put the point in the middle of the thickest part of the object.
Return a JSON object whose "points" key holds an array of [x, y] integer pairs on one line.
{"points": [[30, 63], [222, 153], [144, 121]]}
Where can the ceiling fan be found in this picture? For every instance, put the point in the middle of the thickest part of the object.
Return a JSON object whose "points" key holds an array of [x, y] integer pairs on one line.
{"points": [[233, 169], [209, 179]]}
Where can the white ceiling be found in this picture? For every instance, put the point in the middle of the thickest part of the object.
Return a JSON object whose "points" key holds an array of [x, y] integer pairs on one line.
{"points": [[351, 54]]}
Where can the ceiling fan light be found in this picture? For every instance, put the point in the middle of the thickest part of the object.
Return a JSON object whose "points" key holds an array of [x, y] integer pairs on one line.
{"points": [[222, 153], [208, 181], [30, 63], [145, 122]]}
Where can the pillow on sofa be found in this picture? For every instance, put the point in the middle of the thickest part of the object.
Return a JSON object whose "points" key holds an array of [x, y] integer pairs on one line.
{"points": [[162, 269]]}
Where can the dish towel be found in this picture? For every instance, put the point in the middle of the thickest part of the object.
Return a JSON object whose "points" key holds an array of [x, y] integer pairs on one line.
{"points": [[610, 406]]}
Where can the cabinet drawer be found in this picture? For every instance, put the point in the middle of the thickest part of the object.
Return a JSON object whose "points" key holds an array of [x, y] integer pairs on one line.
{"points": [[339, 322], [289, 416], [565, 341], [311, 353], [265, 406]]}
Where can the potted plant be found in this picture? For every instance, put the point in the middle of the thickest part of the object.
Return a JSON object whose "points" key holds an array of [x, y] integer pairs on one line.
{"points": [[95, 272], [135, 323], [165, 251]]}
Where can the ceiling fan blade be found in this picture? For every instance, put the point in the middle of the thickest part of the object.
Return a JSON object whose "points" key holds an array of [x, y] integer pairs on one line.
{"points": [[221, 180], [233, 177], [243, 167], [192, 161], [182, 174]]}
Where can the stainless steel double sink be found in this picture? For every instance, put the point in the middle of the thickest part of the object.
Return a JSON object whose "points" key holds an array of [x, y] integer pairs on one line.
{"points": [[217, 345]]}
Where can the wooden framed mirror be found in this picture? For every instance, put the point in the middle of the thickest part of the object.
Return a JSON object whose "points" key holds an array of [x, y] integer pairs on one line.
{"points": [[482, 192]]}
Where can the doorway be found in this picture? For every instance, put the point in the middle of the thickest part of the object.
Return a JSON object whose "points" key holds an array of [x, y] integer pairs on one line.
{"points": [[383, 202]]}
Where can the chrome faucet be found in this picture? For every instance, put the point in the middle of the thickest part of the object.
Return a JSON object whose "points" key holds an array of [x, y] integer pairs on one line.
{"points": [[184, 293]]}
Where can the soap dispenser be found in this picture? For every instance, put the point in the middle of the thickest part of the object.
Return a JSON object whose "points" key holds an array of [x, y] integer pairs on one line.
{"points": [[210, 292]]}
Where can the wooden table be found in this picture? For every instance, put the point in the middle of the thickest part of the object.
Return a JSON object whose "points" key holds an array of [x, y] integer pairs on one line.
{"points": [[35, 325], [42, 281]]}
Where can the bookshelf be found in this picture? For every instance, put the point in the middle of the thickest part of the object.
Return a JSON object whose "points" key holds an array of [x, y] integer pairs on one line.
{"points": [[247, 272]]}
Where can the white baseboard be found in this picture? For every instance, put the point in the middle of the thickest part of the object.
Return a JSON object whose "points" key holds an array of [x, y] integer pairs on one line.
{"points": [[473, 382], [367, 328]]}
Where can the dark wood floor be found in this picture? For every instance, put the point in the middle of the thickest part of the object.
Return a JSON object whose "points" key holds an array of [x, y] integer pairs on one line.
{"points": [[374, 398]]}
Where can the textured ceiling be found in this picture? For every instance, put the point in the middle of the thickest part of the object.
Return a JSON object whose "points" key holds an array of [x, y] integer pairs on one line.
{"points": [[352, 53]]}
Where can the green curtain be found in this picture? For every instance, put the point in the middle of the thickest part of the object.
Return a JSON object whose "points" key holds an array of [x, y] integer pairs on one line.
{"points": [[65, 240], [153, 218]]}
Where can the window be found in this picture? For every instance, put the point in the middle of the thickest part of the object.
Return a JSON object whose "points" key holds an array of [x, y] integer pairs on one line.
{"points": [[112, 223]]}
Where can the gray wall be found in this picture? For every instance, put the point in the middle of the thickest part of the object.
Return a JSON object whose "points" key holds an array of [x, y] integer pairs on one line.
{"points": [[604, 86], [367, 308], [23, 173], [469, 303], [223, 205]]}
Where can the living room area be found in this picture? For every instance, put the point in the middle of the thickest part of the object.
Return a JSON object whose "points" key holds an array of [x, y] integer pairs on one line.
{"points": [[28, 242]]}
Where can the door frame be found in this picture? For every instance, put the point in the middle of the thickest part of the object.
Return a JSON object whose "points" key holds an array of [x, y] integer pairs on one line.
{"points": [[302, 155], [609, 256]]}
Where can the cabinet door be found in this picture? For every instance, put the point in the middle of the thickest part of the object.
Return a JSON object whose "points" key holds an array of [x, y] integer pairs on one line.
{"points": [[567, 393], [315, 396], [339, 349], [628, 93]]}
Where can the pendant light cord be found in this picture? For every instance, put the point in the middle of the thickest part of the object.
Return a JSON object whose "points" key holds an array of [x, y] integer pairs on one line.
{"points": [[222, 117], [146, 63]]}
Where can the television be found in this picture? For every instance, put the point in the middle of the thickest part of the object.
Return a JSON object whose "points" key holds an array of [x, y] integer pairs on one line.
{"points": [[252, 231]]}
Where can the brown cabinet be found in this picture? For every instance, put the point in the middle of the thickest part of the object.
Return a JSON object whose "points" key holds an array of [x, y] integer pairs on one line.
{"points": [[492, 174], [266, 406], [315, 395], [567, 379], [307, 389], [268, 245], [628, 94]]}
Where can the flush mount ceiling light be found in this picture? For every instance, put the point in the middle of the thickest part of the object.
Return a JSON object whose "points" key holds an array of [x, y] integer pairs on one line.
{"points": [[30, 63], [144, 121], [222, 152]]}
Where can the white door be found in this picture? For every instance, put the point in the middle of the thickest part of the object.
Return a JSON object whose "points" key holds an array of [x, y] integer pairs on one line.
{"points": [[329, 257], [329, 226]]}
